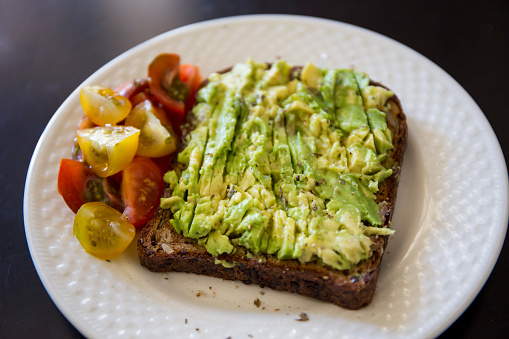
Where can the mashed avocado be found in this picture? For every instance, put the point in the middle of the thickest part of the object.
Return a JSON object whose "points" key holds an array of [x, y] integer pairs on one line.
{"points": [[284, 165]]}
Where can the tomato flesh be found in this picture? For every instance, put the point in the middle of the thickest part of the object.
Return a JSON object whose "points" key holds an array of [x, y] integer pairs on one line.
{"points": [[157, 138], [141, 189], [78, 184], [103, 105], [102, 231], [190, 75], [108, 150]]}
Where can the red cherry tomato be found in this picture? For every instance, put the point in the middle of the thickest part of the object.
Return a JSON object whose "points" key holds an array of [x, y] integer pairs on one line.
{"points": [[131, 88], [165, 83], [163, 162], [140, 97], [172, 84], [190, 75], [141, 189], [78, 184]]}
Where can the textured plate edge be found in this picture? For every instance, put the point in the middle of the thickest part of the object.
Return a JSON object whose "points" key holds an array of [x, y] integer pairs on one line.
{"points": [[503, 219]]}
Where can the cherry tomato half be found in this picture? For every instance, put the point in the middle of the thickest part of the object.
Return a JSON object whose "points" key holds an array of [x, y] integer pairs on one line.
{"points": [[140, 97], [103, 105], [85, 122], [108, 150], [172, 84], [190, 75], [165, 83], [78, 184], [157, 137], [141, 189], [102, 231], [133, 87]]}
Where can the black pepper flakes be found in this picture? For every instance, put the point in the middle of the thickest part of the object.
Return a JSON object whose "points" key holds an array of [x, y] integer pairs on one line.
{"points": [[303, 317], [231, 193]]}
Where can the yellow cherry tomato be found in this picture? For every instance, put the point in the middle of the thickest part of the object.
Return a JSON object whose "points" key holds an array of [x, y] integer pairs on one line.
{"points": [[103, 105], [157, 137], [108, 150], [102, 231]]}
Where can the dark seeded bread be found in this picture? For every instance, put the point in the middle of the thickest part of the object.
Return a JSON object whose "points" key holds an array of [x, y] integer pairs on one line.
{"points": [[161, 249]]}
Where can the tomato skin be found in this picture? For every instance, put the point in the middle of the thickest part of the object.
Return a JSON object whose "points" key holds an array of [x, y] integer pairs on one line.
{"points": [[78, 184], [140, 97], [131, 88], [102, 231], [141, 189]]}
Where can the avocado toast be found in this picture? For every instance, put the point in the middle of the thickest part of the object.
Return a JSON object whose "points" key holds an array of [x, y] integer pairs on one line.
{"points": [[286, 177]]}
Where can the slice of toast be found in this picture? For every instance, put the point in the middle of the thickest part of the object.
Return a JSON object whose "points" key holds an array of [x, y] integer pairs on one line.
{"points": [[162, 249]]}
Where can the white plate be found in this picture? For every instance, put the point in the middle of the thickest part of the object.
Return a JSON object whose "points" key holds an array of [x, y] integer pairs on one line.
{"points": [[450, 219]]}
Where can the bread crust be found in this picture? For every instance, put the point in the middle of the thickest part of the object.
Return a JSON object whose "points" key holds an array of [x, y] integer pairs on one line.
{"points": [[352, 289]]}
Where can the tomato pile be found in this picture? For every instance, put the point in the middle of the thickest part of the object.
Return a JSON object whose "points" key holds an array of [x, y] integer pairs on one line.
{"points": [[123, 147]]}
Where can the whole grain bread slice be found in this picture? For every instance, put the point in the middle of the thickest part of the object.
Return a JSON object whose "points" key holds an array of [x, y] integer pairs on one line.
{"points": [[162, 249]]}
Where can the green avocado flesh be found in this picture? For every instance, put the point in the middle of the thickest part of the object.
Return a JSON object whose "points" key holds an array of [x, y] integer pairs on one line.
{"points": [[284, 165]]}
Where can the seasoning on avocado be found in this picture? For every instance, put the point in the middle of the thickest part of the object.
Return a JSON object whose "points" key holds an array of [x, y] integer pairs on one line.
{"points": [[284, 165]]}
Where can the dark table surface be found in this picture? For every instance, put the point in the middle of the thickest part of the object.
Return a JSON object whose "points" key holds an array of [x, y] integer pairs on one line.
{"points": [[47, 48]]}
